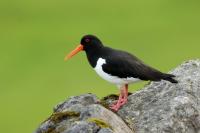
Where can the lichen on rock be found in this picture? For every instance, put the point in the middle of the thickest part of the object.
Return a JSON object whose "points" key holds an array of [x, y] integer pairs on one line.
{"points": [[99, 122]]}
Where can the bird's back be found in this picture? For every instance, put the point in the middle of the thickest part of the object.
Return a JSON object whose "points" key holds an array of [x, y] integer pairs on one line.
{"points": [[123, 64]]}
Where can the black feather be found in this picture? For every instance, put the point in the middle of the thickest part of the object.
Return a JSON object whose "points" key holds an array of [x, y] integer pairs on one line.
{"points": [[124, 65], [170, 78]]}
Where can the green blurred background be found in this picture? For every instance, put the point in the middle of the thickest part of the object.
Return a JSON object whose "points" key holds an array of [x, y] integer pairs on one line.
{"points": [[35, 35]]}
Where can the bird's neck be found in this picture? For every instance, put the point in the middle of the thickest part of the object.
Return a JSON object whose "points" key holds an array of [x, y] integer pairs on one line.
{"points": [[93, 55]]}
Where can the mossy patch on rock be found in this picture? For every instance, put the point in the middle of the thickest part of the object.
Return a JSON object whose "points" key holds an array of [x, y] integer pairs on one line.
{"points": [[57, 117], [99, 122], [51, 130], [105, 101]]}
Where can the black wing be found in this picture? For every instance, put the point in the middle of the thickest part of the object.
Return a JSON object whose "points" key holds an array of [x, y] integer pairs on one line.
{"points": [[123, 65]]}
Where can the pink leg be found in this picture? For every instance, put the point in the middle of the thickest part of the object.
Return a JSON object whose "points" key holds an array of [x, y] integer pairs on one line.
{"points": [[122, 98], [125, 94]]}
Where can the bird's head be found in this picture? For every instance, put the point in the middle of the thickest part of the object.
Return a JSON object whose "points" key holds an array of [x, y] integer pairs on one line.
{"points": [[88, 43]]}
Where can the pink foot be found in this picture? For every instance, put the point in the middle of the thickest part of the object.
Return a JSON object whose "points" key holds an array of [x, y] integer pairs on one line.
{"points": [[114, 108], [117, 105], [123, 101]]}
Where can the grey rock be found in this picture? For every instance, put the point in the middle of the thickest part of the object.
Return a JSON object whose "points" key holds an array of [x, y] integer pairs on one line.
{"points": [[160, 107], [83, 127], [83, 100], [105, 130], [83, 114]]}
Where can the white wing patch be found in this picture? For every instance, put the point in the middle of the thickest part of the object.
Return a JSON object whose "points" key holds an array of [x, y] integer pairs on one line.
{"points": [[112, 79]]}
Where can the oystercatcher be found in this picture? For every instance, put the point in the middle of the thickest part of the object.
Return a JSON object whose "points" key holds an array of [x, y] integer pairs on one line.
{"points": [[117, 67]]}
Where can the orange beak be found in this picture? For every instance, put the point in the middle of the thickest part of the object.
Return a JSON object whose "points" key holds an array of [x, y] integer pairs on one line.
{"points": [[75, 51]]}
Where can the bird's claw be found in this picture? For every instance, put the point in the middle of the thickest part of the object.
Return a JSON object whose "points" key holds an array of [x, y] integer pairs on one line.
{"points": [[116, 106]]}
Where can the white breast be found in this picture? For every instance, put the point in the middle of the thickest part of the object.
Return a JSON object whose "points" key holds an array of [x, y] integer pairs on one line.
{"points": [[112, 79]]}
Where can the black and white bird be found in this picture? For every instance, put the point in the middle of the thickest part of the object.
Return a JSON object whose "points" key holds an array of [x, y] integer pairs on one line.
{"points": [[117, 67]]}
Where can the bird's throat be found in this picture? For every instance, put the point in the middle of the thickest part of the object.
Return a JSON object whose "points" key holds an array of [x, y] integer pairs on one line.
{"points": [[93, 55]]}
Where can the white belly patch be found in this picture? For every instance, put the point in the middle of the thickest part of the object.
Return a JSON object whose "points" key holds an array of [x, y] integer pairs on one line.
{"points": [[112, 79]]}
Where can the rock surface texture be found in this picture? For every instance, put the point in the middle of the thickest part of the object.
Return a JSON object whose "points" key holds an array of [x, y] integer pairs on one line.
{"points": [[160, 107]]}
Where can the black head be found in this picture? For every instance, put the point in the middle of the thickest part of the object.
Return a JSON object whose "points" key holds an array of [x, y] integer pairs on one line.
{"points": [[90, 42]]}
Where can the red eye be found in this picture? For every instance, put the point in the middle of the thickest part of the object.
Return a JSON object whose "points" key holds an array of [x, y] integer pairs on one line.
{"points": [[87, 40]]}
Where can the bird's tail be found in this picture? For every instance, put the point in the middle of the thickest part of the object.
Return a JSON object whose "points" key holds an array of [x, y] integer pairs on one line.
{"points": [[170, 78]]}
